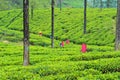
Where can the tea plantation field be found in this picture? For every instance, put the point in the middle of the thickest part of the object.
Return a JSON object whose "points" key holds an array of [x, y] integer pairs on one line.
{"points": [[100, 62]]}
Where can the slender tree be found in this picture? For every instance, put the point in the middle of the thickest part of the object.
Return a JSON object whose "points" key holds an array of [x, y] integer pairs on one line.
{"points": [[94, 3], [101, 4], [26, 32], [52, 23], [85, 9], [117, 43], [108, 3], [60, 1], [59, 4], [33, 4]]}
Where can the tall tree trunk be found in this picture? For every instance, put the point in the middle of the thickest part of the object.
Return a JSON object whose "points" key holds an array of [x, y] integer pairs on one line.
{"points": [[101, 5], [85, 9], [26, 32], [94, 4], [52, 23], [108, 3], [117, 43], [60, 1]]}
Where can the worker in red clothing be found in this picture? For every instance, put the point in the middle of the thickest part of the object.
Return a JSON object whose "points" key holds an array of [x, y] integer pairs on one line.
{"points": [[84, 48], [67, 41], [62, 44]]}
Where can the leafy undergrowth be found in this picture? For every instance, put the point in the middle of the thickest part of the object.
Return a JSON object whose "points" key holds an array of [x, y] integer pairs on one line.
{"points": [[68, 25], [100, 62], [59, 63]]}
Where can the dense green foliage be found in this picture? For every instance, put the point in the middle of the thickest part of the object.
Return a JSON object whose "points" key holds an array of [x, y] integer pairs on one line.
{"points": [[100, 62], [58, 63], [68, 25], [15, 4]]}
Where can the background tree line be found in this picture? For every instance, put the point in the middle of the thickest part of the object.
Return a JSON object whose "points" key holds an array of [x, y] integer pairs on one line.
{"points": [[13, 4]]}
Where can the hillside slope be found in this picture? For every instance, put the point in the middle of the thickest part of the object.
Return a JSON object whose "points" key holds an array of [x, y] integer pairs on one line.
{"points": [[100, 62], [68, 25]]}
